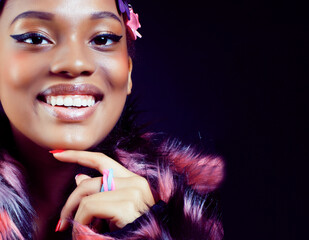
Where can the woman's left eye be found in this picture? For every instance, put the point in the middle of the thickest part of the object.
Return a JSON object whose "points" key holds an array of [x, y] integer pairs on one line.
{"points": [[105, 39], [31, 38]]}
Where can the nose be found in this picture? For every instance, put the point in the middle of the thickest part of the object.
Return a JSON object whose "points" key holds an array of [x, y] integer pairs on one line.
{"points": [[71, 60]]}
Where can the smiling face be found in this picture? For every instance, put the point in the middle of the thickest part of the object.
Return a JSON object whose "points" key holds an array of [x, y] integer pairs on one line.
{"points": [[64, 70]]}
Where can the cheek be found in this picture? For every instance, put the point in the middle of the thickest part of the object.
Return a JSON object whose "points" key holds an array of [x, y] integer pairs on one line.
{"points": [[116, 71], [18, 79], [20, 70], [14, 82]]}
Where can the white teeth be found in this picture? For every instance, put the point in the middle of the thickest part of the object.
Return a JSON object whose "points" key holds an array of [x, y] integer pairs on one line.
{"points": [[53, 101], [84, 102], [89, 102], [59, 101], [71, 100], [77, 102], [68, 102]]}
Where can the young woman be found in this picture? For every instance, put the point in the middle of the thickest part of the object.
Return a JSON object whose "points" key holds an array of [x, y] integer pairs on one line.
{"points": [[65, 73]]}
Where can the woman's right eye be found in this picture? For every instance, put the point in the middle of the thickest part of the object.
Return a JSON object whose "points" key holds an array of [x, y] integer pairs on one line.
{"points": [[31, 38]]}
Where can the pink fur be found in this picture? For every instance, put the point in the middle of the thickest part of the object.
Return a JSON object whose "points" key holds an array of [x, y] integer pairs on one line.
{"points": [[11, 173], [217, 232], [149, 230], [203, 173], [165, 183], [7, 227], [82, 232], [193, 210], [133, 161]]}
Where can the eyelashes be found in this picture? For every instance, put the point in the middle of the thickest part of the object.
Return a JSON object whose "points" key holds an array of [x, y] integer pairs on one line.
{"points": [[31, 38], [101, 40], [105, 39]]}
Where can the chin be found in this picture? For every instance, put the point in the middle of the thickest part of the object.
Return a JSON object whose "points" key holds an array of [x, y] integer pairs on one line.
{"points": [[70, 145], [62, 138]]}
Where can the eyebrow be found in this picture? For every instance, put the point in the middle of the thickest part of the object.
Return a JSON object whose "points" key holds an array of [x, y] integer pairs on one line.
{"points": [[49, 16], [34, 14], [98, 15]]}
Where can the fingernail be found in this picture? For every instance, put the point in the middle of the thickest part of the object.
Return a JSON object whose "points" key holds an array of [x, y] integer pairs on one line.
{"points": [[58, 225], [77, 175], [56, 151]]}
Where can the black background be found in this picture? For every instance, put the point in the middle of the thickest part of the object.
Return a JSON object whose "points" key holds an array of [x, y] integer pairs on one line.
{"points": [[233, 75]]}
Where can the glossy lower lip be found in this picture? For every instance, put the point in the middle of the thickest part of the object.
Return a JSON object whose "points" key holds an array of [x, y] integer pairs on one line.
{"points": [[65, 114]]}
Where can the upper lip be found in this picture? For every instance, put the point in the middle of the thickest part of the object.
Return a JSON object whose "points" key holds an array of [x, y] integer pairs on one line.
{"points": [[72, 89]]}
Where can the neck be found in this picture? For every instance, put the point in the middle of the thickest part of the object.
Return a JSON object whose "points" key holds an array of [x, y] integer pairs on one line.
{"points": [[46, 174], [48, 179]]}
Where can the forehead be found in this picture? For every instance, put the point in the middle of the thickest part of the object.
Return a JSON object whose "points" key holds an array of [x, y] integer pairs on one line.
{"points": [[64, 8]]}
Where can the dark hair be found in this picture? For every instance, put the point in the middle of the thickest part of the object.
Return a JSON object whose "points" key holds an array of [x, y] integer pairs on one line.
{"points": [[2, 2], [130, 39]]}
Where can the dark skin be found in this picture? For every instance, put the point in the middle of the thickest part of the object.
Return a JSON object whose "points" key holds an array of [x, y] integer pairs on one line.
{"points": [[80, 45]]}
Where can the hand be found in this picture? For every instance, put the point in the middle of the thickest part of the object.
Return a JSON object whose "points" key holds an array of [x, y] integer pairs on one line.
{"points": [[127, 202]]}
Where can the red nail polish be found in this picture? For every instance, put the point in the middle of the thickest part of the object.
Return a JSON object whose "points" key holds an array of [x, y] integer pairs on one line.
{"points": [[58, 225], [56, 151]]}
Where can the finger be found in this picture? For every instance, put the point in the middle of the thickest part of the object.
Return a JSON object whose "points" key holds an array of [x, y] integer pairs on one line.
{"points": [[95, 160], [139, 183], [119, 212], [86, 187], [134, 189], [135, 183], [80, 177]]}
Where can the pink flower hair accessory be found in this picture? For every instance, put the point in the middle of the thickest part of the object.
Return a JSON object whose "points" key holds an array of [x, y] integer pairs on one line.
{"points": [[131, 18], [134, 24]]}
